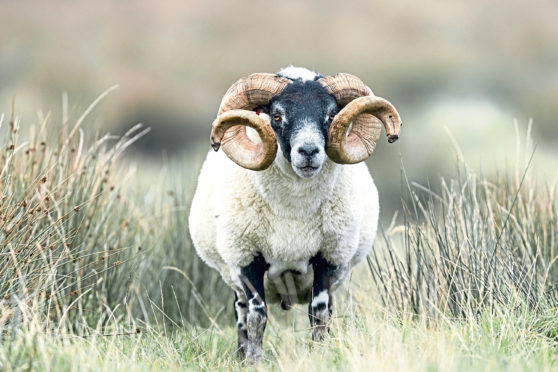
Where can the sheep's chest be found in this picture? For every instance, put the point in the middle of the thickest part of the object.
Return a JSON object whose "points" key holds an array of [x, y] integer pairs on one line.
{"points": [[290, 246], [291, 240]]}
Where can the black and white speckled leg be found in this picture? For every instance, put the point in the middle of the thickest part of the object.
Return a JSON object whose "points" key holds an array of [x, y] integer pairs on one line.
{"points": [[321, 304], [252, 277], [240, 312]]}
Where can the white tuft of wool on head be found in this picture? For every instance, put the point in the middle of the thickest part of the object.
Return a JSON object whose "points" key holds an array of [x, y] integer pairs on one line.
{"points": [[296, 73]]}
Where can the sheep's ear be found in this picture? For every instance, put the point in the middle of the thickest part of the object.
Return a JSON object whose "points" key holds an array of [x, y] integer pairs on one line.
{"points": [[262, 110]]}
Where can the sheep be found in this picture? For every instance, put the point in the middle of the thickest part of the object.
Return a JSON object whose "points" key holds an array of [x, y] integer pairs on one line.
{"points": [[289, 194]]}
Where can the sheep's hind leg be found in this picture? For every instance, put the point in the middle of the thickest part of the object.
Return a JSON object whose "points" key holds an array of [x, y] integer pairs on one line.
{"points": [[240, 311], [252, 277], [321, 304]]}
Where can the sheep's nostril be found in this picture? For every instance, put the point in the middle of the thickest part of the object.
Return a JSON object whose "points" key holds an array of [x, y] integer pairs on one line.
{"points": [[308, 150]]}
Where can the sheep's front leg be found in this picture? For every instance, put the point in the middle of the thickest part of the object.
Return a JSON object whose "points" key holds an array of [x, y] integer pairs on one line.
{"points": [[321, 304], [240, 311], [252, 277]]}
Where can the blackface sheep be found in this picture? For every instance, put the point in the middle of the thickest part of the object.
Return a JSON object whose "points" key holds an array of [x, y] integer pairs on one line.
{"points": [[290, 195]]}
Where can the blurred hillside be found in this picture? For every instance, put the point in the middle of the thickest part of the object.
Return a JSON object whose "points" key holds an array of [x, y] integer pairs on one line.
{"points": [[471, 67]]}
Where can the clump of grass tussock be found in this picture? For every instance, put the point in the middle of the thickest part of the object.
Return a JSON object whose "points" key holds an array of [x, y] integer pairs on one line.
{"points": [[480, 243], [65, 227], [76, 241], [67, 234]]}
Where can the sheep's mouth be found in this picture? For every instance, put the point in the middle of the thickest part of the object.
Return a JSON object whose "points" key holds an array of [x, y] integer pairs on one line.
{"points": [[308, 168], [307, 171]]}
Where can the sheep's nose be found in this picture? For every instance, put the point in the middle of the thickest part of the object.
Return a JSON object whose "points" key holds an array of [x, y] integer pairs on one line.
{"points": [[308, 150]]}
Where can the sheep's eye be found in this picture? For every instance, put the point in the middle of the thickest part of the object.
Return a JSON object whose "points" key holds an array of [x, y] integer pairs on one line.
{"points": [[331, 116], [277, 117]]}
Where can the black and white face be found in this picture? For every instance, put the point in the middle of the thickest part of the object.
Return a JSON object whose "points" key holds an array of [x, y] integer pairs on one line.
{"points": [[301, 116]]}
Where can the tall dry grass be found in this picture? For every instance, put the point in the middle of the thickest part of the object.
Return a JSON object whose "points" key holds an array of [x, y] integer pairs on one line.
{"points": [[481, 242], [78, 248]]}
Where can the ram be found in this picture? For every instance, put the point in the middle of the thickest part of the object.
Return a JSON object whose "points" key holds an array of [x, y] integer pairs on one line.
{"points": [[290, 196]]}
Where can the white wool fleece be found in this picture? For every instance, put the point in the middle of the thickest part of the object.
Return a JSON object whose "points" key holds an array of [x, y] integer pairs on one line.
{"points": [[238, 213]]}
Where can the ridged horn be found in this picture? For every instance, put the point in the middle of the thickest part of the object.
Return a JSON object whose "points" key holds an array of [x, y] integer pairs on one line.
{"points": [[366, 112], [235, 114]]}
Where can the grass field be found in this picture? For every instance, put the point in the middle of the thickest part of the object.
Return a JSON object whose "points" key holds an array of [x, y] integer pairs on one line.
{"points": [[362, 338], [97, 271]]}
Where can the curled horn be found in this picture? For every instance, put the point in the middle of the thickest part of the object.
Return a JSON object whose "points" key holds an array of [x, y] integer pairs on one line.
{"points": [[235, 114], [366, 112]]}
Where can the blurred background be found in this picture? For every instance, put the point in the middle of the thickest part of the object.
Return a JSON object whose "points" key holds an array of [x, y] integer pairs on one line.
{"points": [[459, 72]]}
